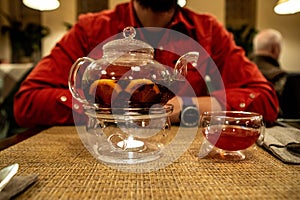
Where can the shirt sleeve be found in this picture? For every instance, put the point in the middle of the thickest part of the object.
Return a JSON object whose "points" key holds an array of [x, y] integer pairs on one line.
{"points": [[44, 97]]}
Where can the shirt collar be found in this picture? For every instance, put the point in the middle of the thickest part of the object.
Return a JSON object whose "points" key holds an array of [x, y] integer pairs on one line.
{"points": [[179, 20], [134, 21], [128, 10], [268, 59]]}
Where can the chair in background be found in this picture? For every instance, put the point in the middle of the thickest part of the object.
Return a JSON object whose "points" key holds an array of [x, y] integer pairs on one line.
{"points": [[290, 98], [8, 125]]}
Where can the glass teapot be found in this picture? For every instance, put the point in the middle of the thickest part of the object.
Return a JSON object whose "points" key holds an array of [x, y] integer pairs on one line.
{"points": [[127, 75]]}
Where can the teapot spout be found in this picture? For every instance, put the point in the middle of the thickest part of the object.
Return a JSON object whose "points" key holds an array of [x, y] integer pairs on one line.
{"points": [[180, 70]]}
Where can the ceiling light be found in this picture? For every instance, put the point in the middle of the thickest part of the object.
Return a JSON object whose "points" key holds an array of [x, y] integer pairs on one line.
{"points": [[287, 7], [42, 5], [181, 3]]}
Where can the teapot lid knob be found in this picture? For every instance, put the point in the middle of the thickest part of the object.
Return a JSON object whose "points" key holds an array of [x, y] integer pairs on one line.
{"points": [[119, 47], [129, 32]]}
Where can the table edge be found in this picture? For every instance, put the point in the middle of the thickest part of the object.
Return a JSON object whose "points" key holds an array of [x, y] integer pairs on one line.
{"points": [[19, 137]]}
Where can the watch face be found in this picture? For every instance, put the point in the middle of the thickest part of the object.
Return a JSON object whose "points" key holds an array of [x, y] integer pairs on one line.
{"points": [[190, 116]]}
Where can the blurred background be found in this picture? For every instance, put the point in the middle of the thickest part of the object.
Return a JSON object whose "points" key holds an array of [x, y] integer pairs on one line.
{"points": [[243, 18]]}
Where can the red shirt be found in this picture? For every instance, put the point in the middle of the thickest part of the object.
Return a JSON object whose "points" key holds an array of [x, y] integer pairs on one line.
{"points": [[44, 97]]}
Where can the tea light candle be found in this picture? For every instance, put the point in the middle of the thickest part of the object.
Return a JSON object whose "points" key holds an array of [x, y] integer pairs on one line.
{"points": [[130, 143]]}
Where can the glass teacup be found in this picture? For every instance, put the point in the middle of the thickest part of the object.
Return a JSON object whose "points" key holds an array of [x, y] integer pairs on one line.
{"points": [[228, 133]]}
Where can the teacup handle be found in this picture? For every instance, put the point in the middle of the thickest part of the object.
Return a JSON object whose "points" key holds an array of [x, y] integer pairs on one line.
{"points": [[73, 76]]}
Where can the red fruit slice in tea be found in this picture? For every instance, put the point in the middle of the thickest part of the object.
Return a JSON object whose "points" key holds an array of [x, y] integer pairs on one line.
{"points": [[105, 91]]}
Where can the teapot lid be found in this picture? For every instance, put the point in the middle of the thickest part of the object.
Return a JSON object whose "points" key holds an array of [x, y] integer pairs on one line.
{"points": [[127, 45]]}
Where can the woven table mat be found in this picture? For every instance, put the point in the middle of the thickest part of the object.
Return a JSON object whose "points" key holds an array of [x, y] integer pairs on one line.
{"points": [[67, 170]]}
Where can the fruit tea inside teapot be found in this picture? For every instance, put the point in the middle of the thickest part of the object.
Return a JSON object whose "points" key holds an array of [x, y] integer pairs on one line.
{"points": [[127, 75]]}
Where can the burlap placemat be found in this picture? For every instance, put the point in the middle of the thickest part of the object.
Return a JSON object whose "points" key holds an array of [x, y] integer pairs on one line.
{"points": [[66, 170]]}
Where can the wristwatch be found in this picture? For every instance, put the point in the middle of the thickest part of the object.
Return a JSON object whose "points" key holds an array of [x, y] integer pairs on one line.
{"points": [[189, 115]]}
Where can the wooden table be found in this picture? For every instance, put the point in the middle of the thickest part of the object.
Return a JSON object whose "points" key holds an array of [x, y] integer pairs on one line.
{"points": [[67, 170]]}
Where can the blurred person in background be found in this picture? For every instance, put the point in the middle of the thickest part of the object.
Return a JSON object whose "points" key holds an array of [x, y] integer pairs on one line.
{"points": [[267, 47]]}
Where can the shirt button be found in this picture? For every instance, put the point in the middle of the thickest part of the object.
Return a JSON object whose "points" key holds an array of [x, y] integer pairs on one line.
{"points": [[242, 105], [252, 96], [63, 98], [76, 106]]}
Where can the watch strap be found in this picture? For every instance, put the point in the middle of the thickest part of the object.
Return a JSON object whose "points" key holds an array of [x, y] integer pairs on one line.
{"points": [[187, 101], [189, 115]]}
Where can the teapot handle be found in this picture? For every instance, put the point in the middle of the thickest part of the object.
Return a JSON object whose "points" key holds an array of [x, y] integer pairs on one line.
{"points": [[73, 76], [181, 64]]}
